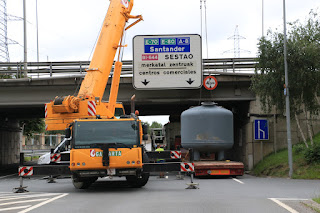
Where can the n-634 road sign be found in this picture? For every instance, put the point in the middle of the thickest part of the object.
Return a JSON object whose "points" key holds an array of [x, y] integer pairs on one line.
{"points": [[167, 62]]}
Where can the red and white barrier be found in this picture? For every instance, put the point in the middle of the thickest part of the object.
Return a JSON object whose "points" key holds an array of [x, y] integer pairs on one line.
{"points": [[55, 157], [187, 167], [175, 154], [25, 171]]}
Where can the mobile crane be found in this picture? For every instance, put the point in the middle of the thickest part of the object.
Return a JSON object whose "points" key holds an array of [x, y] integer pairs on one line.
{"points": [[99, 140], [101, 144]]}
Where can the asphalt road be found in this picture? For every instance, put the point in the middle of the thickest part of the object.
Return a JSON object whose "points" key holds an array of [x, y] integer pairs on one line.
{"points": [[245, 194]]}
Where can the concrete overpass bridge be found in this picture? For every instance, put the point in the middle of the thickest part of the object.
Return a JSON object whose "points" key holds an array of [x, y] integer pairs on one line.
{"points": [[25, 98]]}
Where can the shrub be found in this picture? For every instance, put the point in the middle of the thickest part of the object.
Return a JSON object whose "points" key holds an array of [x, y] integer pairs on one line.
{"points": [[312, 154], [299, 148]]}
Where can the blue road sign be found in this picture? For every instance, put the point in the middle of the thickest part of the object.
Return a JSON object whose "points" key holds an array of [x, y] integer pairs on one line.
{"points": [[167, 45], [261, 129]]}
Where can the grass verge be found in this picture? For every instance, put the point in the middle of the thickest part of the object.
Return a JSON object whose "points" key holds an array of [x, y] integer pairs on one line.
{"points": [[317, 199], [276, 165], [312, 207], [29, 158]]}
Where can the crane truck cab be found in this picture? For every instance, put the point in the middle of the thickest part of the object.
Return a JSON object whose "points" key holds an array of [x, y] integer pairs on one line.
{"points": [[107, 147], [119, 109], [63, 148]]}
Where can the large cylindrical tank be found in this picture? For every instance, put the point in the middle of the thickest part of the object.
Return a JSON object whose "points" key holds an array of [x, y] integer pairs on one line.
{"points": [[207, 128]]}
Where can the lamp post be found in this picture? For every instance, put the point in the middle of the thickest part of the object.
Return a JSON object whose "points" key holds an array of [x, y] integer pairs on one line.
{"points": [[287, 90], [262, 18], [37, 30], [25, 64]]}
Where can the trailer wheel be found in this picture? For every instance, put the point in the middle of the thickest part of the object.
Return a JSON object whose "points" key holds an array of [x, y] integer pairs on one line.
{"points": [[138, 182], [82, 183]]}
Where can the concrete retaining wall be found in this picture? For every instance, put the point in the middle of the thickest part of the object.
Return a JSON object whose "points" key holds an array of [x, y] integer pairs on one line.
{"points": [[256, 150], [10, 137]]}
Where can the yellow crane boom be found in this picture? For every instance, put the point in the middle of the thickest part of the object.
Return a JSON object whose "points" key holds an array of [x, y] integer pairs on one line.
{"points": [[88, 103]]}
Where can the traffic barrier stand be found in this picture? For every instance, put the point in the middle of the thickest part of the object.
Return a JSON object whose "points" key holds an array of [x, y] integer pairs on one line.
{"points": [[54, 158], [190, 168], [192, 185], [23, 172], [21, 188], [51, 179], [177, 154], [179, 176]]}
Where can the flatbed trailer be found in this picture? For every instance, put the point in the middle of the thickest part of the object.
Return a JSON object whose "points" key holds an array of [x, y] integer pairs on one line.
{"points": [[218, 168], [208, 166]]}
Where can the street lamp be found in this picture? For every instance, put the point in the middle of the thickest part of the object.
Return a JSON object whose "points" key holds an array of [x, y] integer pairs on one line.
{"points": [[25, 64], [37, 30], [262, 18], [287, 90]]}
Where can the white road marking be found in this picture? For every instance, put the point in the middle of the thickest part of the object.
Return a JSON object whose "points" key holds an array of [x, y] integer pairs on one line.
{"points": [[23, 201], [293, 199], [13, 208], [239, 181], [277, 201], [26, 196], [43, 203], [8, 176], [6, 194]]}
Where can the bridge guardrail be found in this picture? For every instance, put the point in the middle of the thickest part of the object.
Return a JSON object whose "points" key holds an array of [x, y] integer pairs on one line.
{"points": [[53, 69]]}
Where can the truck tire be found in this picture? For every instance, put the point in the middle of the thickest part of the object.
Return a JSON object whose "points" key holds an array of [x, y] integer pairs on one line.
{"points": [[82, 183], [138, 182]]}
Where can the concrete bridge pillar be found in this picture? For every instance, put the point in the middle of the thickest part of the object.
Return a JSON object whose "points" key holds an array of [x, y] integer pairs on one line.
{"points": [[10, 140]]}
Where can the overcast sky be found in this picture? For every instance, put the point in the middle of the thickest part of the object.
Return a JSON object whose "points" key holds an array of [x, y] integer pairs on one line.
{"points": [[68, 29]]}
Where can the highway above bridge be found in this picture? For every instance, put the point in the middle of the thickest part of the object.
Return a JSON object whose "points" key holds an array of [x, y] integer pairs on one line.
{"points": [[25, 97]]}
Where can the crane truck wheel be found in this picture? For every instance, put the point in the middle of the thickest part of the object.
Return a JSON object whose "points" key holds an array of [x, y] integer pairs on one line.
{"points": [[138, 181], [82, 183]]}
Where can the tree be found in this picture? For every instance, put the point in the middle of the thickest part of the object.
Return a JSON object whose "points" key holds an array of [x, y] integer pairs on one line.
{"points": [[303, 65], [155, 124], [32, 126]]}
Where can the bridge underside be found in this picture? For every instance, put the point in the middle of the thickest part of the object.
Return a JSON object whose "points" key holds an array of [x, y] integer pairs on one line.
{"points": [[26, 100]]}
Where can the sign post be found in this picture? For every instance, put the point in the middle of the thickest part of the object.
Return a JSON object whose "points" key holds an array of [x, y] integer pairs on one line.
{"points": [[167, 62], [261, 132]]}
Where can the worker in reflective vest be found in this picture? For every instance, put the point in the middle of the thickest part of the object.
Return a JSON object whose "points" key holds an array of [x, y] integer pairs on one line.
{"points": [[160, 149]]}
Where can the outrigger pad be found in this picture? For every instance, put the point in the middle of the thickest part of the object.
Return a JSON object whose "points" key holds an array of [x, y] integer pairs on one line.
{"points": [[21, 189], [192, 185]]}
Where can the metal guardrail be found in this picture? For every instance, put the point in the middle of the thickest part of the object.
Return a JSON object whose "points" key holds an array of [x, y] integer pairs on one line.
{"points": [[35, 152], [53, 69]]}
